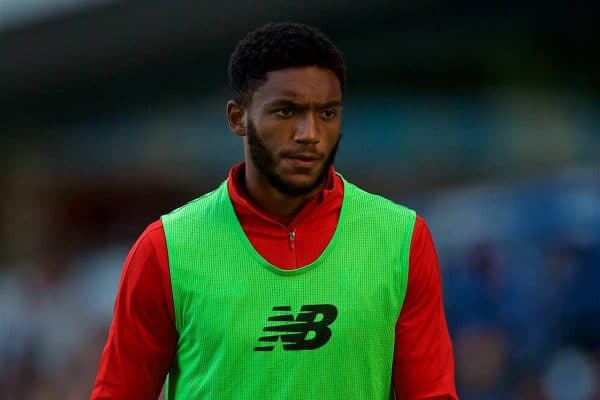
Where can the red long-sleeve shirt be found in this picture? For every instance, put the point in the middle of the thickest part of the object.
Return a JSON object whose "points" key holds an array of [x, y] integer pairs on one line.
{"points": [[142, 339]]}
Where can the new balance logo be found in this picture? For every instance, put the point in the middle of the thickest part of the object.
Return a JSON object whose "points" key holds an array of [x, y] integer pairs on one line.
{"points": [[313, 320]]}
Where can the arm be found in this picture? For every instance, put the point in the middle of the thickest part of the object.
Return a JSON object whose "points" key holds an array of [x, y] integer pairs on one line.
{"points": [[142, 338], [423, 361]]}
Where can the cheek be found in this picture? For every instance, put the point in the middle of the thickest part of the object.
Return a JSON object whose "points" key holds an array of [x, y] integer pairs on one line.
{"points": [[272, 146], [274, 142], [277, 137]]}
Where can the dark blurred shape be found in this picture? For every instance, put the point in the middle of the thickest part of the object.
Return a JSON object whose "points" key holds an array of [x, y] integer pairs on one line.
{"points": [[102, 59], [480, 363]]}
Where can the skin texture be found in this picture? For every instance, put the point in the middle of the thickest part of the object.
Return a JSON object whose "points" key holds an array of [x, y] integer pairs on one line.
{"points": [[291, 129]]}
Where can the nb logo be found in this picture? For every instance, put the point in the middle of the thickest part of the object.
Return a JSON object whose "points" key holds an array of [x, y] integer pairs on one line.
{"points": [[313, 320]]}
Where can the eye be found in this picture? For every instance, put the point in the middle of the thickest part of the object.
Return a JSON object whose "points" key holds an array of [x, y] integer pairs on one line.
{"points": [[329, 113], [284, 112]]}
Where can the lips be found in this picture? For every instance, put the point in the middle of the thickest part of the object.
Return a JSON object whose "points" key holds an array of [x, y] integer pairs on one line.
{"points": [[303, 160], [304, 156]]}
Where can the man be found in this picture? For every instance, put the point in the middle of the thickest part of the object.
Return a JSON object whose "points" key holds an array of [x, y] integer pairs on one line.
{"points": [[287, 281]]}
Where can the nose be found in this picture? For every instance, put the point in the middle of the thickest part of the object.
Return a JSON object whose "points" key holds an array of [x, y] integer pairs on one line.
{"points": [[307, 130]]}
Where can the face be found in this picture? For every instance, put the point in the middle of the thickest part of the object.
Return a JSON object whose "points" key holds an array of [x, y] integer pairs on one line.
{"points": [[293, 128]]}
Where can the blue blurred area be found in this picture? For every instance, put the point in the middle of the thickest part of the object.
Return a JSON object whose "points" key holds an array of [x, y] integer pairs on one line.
{"points": [[524, 277]]}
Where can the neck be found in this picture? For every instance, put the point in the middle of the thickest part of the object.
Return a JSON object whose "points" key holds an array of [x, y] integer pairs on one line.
{"points": [[272, 200]]}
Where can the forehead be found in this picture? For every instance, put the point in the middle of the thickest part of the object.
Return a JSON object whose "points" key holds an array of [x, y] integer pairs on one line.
{"points": [[302, 84]]}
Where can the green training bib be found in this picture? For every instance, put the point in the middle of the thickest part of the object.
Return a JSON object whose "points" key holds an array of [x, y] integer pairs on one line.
{"points": [[251, 331]]}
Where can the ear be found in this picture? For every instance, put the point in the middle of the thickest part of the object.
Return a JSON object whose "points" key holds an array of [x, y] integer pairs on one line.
{"points": [[236, 114]]}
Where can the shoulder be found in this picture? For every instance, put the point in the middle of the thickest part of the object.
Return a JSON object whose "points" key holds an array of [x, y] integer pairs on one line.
{"points": [[421, 238], [150, 245], [149, 239], [424, 267], [147, 262], [421, 231], [195, 204], [201, 207], [153, 232], [379, 204]]}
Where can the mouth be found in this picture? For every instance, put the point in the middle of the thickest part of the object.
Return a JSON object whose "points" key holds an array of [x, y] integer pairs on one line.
{"points": [[303, 160]]}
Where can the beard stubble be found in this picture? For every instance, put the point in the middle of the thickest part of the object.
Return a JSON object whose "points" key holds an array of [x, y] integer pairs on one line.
{"points": [[265, 163]]}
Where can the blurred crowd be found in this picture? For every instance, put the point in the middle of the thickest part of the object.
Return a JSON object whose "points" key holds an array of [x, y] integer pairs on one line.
{"points": [[521, 289], [520, 279], [524, 320]]}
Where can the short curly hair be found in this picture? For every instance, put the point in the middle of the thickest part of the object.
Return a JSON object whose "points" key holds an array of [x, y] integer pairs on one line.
{"points": [[277, 46]]}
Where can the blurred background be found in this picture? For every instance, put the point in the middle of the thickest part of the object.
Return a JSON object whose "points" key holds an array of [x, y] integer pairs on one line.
{"points": [[482, 117]]}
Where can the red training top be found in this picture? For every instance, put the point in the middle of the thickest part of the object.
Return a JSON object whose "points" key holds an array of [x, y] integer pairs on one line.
{"points": [[142, 339]]}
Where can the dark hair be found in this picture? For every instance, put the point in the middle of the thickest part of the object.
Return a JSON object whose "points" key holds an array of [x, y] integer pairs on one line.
{"points": [[277, 46]]}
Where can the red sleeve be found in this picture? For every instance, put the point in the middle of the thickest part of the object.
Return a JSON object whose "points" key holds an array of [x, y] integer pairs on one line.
{"points": [[142, 338], [423, 360]]}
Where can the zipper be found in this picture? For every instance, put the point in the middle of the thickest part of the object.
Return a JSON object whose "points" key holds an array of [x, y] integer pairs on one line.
{"points": [[292, 237], [292, 241]]}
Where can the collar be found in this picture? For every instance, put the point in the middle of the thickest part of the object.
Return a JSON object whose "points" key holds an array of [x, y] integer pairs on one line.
{"points": [[249, 212]]}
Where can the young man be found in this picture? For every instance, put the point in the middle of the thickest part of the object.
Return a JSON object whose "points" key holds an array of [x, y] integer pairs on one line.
{"points": [[287, 281]]}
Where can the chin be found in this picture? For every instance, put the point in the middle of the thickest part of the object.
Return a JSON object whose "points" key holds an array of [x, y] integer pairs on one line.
{"points": [[301, 180], [300, 186]]}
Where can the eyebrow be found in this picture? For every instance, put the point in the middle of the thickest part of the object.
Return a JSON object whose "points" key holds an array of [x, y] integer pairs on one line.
{"points": [[278, 102]]}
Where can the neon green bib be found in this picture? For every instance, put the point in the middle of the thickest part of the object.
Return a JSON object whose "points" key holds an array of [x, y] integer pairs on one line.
{"points": [[250, 331]]}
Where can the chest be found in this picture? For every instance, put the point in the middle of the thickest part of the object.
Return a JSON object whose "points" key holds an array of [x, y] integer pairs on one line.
{"points": [[342, 301]]}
